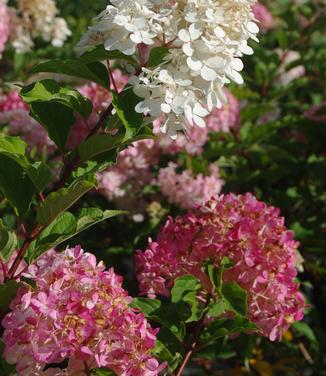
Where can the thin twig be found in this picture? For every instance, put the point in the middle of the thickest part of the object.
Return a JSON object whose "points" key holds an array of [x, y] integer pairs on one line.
{"points": [[305, 353], [193, 346], [112, 77]]}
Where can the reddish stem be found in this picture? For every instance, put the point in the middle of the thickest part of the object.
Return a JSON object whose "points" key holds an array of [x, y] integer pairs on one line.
{"points": [[27, 242], [112, 78], [193, 346]]}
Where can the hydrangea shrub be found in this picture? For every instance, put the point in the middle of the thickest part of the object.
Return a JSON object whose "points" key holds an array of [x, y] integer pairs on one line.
{"points": [[148, 119]]}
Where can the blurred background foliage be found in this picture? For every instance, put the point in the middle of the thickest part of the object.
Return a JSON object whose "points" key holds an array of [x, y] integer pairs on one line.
{"points": [[278, 154]]}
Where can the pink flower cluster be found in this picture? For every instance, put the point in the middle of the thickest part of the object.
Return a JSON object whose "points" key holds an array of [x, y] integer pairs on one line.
{"points": [[4, 25], [263, 16], [77, 311], [247, 231], [185, 190], [133, 169]]}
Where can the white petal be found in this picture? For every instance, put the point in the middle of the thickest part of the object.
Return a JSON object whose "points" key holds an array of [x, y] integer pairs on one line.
{"points": [[178, 105], [188, 113], [245, 49], [210, 103], [195, 31], [142, 107], [166, 108], [188, 49], [199, 121], [142, 91], [136, 37], [252, 27], [208, 74], [236, 76], [194, 64], [200, 110], [237, 64], [184, 35], [148, 41], [219, 32]]}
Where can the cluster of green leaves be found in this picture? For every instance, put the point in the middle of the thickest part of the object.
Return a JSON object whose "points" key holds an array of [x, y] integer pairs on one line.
{"points": [[194, 317]]}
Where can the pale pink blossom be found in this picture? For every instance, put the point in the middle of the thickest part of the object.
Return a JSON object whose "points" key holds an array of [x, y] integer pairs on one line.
{"points": [[80, 311], [186, 189], [192, 141], [133, 169], [226, 118], [263, 16], [14, 111], [288, 75], [247, 231]]}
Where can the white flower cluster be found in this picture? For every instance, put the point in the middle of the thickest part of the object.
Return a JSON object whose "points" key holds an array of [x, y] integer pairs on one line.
{"points": [[206, 39], [37, 17]]}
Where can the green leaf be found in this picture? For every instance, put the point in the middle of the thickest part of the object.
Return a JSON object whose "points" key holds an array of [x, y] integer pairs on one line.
{"points": [[87, 66], [174, 347], [47, 91], [196, 311], [38, 172], [168, 346], [13, 145], [217, 308], [8, 292], [66, 226], [182, 286], [16, 185], [93, 71], [98, 145], [8, 242], [20, 180], [60, 201], [99, 53], [223, 327], [216, 275], [124, 105], [163, 353], [236, 296], [166, 314], [146, 306], [305, 330], [54, 106], [185, 289], [156, 56]]}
